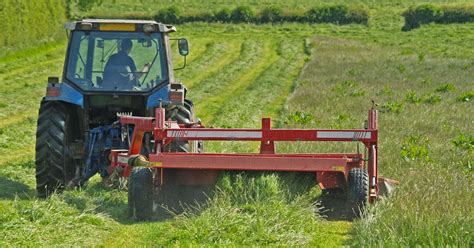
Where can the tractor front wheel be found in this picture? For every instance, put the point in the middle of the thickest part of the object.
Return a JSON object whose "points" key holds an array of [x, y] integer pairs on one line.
{"points": [[140, 194]]}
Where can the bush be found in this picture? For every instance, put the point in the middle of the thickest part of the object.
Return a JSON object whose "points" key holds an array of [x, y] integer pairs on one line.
{"points": [[457, 14], [338, 14], [223, 15], [294, 17], [201, 17], [171, 15], [422, 14], [242, 14], [358, 14], [328, 14], [428, 13], [271, 14]]}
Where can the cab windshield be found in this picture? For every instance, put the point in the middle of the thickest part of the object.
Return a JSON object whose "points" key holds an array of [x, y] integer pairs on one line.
{"points": [[116, 61]]}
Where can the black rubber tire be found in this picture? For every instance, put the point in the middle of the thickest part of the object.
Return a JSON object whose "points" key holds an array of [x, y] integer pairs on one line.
{"points": [[140, 194], [357, 189], [54, 162], [183, 114]]}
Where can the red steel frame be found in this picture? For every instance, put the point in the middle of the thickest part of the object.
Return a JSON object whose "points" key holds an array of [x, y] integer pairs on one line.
{"points": [[331, 169]]}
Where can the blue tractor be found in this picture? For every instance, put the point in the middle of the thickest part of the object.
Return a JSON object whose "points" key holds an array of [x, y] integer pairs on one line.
{"points": [[112, 67]]}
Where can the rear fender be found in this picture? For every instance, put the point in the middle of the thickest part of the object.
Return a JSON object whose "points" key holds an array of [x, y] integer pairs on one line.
{"points": [[65, 93]]}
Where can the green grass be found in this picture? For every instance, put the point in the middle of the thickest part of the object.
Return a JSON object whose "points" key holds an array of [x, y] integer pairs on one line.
{"points": [[416, 145], [314, 76]]}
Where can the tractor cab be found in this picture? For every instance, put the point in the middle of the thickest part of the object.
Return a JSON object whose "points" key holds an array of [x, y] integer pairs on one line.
{"points": [[118, 56]]}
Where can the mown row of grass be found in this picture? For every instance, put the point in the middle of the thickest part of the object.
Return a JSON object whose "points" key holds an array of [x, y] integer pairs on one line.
{"points": [[23, 84]]}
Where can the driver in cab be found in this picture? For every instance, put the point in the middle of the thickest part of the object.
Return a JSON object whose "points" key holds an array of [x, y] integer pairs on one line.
{"points": [[120, 71]]}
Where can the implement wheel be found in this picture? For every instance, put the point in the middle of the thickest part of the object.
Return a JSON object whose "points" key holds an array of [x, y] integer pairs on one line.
{"points": [[56, 130], [357, 189], [140, 194]]}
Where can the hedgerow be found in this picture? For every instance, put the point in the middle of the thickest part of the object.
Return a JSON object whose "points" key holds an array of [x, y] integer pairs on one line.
{"points": [[26, 22], [429, 13], [223, 15], [271, 14], [242, 14], [457, 14], [337, 14], [169, 15]]}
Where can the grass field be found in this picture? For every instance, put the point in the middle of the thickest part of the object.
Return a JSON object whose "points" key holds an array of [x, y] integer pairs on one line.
{"points": [[239, 73]]}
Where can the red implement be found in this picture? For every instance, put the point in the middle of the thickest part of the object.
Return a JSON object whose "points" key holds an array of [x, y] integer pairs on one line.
{"points": [[331, 170]]}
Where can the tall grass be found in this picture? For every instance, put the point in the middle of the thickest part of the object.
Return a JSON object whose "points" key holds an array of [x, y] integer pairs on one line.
{"points": [[250, 210], [26, 23], [420, 144], [431, 208], [72, 218]]}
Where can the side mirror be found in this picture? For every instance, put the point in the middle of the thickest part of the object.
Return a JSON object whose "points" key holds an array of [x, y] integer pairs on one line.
{"points": [[183, 47]]}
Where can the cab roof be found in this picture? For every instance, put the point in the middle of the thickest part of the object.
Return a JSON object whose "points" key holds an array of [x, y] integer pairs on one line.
{"points": [[118, 25]]}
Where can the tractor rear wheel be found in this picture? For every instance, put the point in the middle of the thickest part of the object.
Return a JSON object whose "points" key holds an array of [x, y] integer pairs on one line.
{"points": [[183, 114], [357, 189], [140, 194], [54, 161]]}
